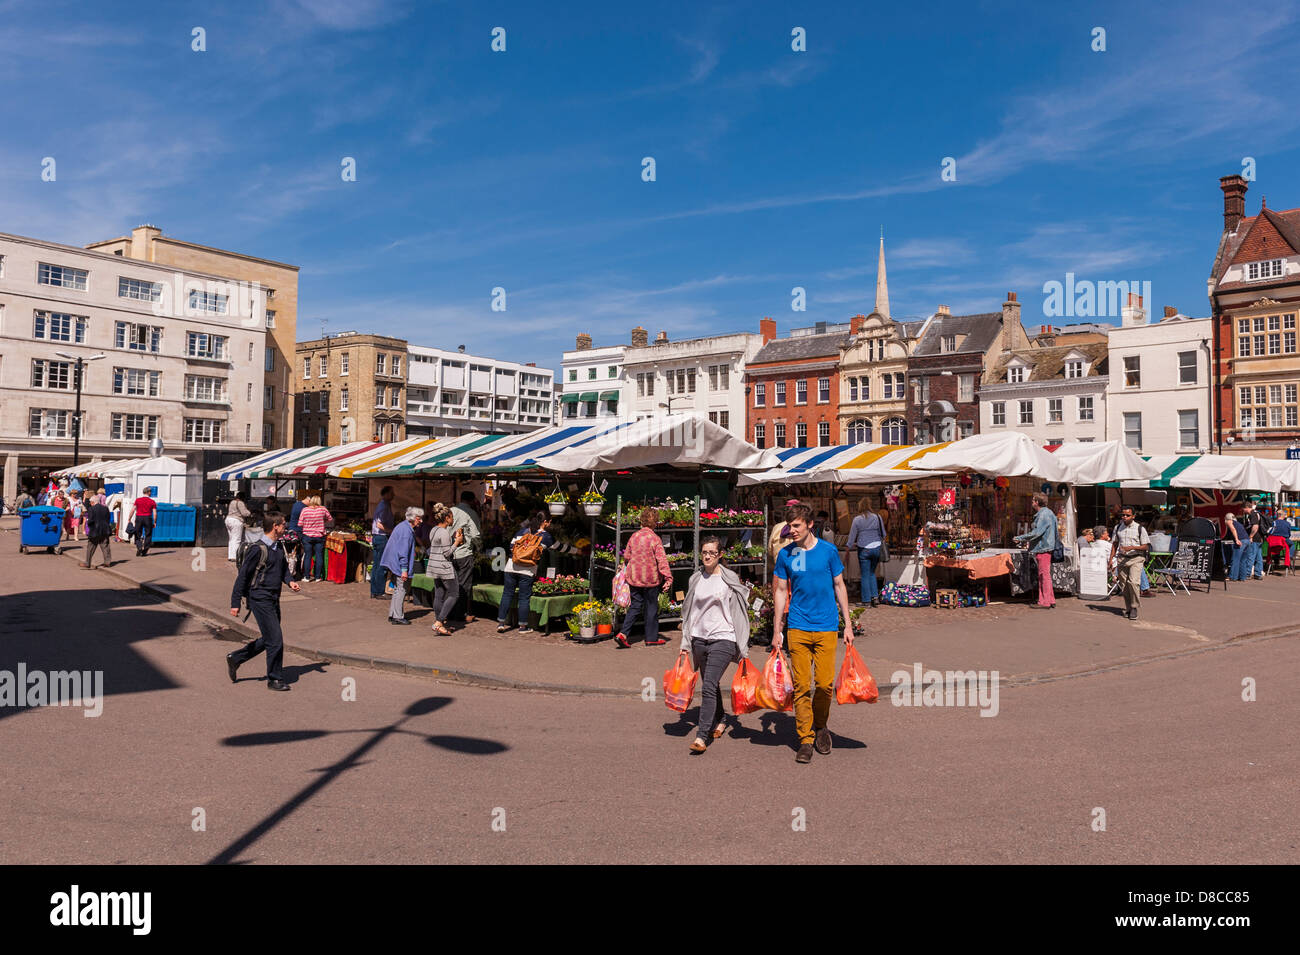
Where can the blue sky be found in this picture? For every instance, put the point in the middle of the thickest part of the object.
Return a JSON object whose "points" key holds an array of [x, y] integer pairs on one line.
{"points": [[775, 169]]}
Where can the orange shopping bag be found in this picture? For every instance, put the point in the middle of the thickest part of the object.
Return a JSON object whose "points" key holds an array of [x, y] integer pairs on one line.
{"points": [[775, 691], [679, 683], [743, 687], [855, 684]]}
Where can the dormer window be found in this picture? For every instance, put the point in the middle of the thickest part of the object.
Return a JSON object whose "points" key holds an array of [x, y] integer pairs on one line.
{"points": [[948, 343], [1074, 368], [1016, 374], [1268, 269]]}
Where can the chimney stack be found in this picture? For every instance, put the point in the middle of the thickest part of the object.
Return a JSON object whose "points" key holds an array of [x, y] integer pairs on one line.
{"points": [[1010, 319], [1133, 313], [584, 342], [1234, 200], [640, 337], [1170, 311], [661, 338], [943, 310], [767, 328], [856, 323]]}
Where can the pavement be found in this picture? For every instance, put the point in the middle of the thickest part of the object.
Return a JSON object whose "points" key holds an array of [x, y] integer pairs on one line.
{"points": [[1159, 763], [339, 623]]}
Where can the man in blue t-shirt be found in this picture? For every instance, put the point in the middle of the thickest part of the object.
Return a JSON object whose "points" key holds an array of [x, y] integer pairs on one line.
{"points": [[810, 581]]}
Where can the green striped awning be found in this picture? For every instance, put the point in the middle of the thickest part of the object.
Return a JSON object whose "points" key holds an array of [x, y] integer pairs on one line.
{"points": [[609, 396], [588, 396], [570, 399]]}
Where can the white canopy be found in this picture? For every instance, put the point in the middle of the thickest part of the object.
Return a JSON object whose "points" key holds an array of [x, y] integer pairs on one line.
{"points": [[1287, 472], [1229, 473], [1010, 454], [691, 440], [1101, 461]]}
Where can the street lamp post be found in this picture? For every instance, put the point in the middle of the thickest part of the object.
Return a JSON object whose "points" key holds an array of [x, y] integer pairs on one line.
{"points": [[76, 415], [669, 403]]}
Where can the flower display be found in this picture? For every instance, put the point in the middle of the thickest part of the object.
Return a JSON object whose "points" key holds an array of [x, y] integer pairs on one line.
{"points": [[559, 586]]}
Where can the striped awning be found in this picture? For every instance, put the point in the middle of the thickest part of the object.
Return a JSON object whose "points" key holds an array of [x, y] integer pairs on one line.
{"points": [[97, 469], [1212, 471], [437, 457], [847, 464], [263, 465]]}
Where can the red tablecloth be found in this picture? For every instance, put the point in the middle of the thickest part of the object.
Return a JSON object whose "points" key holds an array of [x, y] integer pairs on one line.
{"points": [[1285, 546], [979, 566]]}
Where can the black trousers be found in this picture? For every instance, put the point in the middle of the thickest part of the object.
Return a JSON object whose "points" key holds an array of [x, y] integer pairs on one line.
{"points": [[143, 534], [711, 659], [267, 614], [465, 580]]}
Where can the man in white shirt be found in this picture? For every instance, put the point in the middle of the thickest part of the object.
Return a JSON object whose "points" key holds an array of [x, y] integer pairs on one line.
{"points": [[1131, 545]]}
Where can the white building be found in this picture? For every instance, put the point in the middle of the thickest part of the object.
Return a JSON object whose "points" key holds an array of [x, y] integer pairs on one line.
{"points": [[182, 352], [450, 393], [1052, 394], [698, 375], [1159, 395], [594, 384]]}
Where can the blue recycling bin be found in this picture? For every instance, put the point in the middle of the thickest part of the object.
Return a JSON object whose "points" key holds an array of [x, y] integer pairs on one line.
{"points": [[40, 527], [174, 523]]}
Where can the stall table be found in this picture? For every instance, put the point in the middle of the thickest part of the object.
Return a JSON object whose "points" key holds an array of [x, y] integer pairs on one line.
{"points": [[993, 562], [546, 608]]}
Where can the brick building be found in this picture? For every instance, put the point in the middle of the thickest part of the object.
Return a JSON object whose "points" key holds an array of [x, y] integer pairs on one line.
{"points": [[792, 387], [1255, 298], [350, 387], [953, 355]]}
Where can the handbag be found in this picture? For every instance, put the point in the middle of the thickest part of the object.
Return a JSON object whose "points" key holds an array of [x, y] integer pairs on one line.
{"points": [[1058, 552]]}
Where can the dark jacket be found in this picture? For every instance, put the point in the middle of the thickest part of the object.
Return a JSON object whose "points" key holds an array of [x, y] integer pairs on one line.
{"points": [[273, 577], [99, 522]]}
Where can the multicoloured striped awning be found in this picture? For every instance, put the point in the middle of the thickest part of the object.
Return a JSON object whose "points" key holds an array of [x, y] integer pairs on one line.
{"points": [[97, 469], [847, 464], [264, 465]]}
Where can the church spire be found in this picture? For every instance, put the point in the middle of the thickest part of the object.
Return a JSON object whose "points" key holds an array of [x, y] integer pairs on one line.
{"points": [[882, 285]]}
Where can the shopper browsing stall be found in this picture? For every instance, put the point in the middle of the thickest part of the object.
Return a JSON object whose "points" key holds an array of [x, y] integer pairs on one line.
{"points": [[867, 537], [1041, 540], [526, 548], [648, 572]]}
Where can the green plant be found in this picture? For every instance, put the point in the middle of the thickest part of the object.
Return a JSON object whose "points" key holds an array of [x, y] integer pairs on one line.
{"points": [[556, 497], [592, 497]]}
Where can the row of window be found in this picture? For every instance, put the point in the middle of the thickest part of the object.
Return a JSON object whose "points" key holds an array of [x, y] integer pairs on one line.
{"points": [[383, 432], [55, 423], [1084, 411], [1267, 406], [593, 373], [800, 393], [800, 434], [589, 408], [133, 336], [136, 382], [892, 431], [891, 387], [1189, 429], [1265, 335], [383, 362], [140, 290]]}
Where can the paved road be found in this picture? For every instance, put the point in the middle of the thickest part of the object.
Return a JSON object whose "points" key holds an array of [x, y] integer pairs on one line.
{"points": [[1184, 769]]}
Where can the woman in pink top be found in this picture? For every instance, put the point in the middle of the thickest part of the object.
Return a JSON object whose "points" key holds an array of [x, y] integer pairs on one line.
{"points": [[312, 523], [648, 571]]}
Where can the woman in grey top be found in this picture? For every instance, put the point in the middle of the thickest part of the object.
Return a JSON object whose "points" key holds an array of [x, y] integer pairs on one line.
{"points": [[867, 537], [715, 631], [446, 590]]}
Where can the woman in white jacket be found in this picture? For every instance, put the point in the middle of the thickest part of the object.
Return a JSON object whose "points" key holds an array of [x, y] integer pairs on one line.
{"points": [[236, 516], [715, 631]]}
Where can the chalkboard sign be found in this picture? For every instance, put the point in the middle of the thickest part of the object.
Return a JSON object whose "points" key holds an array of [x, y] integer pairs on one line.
{"points": [[1193, 560]]}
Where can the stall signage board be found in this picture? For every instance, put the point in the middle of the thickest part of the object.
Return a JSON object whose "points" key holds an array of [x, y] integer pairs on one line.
{"points": [[1193, 560], [1093, 561]]}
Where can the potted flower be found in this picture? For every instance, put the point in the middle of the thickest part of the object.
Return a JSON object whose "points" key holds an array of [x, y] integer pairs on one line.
{"points": [[587, 614], [557, 502], [605, 618], [593, 502]]}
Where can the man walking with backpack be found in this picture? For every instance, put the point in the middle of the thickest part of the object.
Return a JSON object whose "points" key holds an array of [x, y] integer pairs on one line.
{"points": [[1130, 543], [260, 577], [1256, 528]]}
